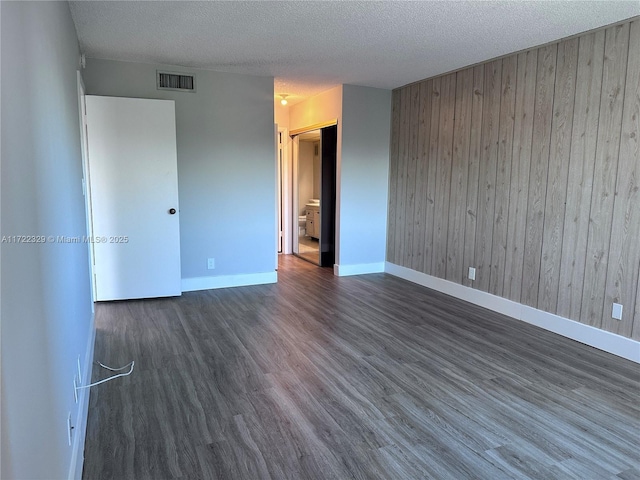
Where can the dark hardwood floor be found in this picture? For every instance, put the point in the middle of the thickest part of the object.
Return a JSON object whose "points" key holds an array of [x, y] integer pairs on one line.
{"points": [[369, 377]]}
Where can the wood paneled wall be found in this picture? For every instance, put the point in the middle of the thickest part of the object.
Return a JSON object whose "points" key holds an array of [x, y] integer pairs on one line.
{"points": [[528, 169]]}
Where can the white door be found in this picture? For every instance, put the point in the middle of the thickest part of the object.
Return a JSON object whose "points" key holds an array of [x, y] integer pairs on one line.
{"points": [[134, 197], [86, 187]]}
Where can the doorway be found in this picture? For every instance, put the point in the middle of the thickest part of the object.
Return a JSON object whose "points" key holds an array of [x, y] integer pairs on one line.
{"points": [[314, 161], [307, 202]]}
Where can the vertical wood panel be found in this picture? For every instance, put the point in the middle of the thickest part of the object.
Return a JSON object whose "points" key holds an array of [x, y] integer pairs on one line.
{"points": [[443, 172], [423, 172], [559, 156], [520, 167], [624, 250], [503, 173], [475, 152], [527, 168], [412, 162], [538, 173], [393, 175], [403, 143], [459, 175], [431, 175], [487, 172], [608, 146], [581, 167]]}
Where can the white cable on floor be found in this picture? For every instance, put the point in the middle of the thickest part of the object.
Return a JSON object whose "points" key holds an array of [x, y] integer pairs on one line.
{"points": [[114, 376], [115, 369]]}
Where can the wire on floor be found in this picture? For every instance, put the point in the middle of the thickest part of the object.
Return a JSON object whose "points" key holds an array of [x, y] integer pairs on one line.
{"points": [[128, 365]]}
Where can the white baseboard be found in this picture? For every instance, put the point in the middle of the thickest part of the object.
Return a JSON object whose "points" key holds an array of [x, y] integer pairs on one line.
{"points": [[594, 337], [224, 281], [80, 432], [357, 269]]}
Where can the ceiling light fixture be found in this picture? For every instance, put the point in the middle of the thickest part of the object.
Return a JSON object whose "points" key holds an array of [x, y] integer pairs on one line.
{"points": [[284, 99]]}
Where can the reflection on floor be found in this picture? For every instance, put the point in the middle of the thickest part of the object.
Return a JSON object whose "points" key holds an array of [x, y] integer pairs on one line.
{"points": [[308, 244], [309, 249]]}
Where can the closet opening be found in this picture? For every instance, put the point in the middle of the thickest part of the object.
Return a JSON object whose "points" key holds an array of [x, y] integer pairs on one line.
{"points": [[314, 194]]}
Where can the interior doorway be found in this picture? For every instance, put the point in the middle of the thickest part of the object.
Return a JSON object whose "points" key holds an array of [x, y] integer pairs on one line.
{"points": [[314, 199], [307, 202]]}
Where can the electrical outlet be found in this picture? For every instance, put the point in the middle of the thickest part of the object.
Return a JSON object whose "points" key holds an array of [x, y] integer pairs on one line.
{"points": [[211, 263], [79, 372], [69, 429], [616, 311], [472, 273]]}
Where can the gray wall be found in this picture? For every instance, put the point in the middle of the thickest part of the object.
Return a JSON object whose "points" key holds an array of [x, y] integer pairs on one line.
{"points": [[364, 174], [46, 303], [226, 163]]}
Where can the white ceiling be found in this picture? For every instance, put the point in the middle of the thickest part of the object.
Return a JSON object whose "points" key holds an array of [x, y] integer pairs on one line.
{"points": [[310, 46]]}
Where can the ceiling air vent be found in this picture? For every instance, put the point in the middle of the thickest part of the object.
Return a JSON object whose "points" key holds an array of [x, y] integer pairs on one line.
{"points": [[176, 81]]}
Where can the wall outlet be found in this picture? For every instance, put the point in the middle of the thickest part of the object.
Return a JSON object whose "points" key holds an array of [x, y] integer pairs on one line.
{"points": [[472, 273], [79, 372], [211, 263], [69, 429], [616, 311]]}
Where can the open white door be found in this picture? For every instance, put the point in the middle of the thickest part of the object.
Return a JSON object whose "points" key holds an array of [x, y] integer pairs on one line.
{"points": [[287, 201], [86, 187], [134, 197]]}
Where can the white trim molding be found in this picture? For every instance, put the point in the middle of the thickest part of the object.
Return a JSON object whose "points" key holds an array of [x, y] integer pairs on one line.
{"points": [[609, 342], [80, 432], [225, 281], [358, 269]]}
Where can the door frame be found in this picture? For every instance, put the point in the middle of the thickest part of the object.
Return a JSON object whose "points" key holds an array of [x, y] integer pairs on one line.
{"points": [[284, 198], [329, 195], [86, 184], [293, 214], [294, 134]]}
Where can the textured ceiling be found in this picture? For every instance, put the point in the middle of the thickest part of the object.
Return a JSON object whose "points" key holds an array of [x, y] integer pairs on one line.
{"points": [[311, 46]]}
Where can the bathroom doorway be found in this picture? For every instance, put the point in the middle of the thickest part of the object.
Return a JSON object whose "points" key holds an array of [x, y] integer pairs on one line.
{"points": [[314, 161], [308, 199]]}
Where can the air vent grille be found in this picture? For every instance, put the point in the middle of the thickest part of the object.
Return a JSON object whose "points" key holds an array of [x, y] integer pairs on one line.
{"points": [[176, 81]]}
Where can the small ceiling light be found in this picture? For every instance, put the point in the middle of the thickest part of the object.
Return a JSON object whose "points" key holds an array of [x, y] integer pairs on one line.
{"points": [[284, 99]]}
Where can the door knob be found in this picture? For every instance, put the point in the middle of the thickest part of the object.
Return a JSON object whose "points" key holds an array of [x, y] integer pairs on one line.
{"points": [[172, 211]]}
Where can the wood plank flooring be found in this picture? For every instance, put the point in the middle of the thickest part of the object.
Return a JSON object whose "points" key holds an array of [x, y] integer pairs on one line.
{"points": [[369, 377]]}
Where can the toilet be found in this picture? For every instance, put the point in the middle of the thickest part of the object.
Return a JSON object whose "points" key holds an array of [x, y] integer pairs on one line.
{"points": [[302, 225]]}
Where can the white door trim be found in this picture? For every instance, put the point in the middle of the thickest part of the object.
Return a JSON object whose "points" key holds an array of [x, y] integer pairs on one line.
{"points": [[287, 198], [293, 214], [86, 183]]}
